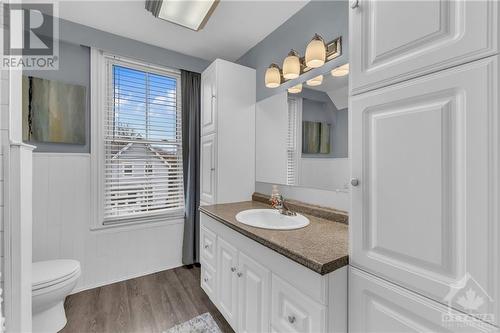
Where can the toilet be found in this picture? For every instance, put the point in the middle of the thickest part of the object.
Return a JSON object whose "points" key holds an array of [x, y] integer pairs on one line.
{"points": [[52, 281]]}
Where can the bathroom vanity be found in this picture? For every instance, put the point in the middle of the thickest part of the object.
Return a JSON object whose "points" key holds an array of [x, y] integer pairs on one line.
{"points": [[265, 280]]}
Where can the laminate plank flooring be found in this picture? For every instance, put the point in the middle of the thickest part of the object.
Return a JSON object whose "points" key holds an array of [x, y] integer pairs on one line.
{"points": [[151, 303]]}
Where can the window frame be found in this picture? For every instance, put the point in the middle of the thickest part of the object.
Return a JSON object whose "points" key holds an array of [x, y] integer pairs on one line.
{"points": [[101, 67]]}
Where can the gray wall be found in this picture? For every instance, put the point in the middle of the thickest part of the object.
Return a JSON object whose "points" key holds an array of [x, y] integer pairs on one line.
{"points": [[327, 18], [341, 133], [74, 66]]}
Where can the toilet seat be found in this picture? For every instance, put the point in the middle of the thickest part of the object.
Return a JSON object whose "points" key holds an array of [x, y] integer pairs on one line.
{"points": [[53, 272]]}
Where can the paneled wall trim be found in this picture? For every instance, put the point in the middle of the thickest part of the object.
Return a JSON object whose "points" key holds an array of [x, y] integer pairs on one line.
{"points": [[62, 222]]}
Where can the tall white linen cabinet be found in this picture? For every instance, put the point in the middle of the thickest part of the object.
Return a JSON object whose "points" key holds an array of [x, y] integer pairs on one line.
{"points": [[227, 133], [424, 146]]}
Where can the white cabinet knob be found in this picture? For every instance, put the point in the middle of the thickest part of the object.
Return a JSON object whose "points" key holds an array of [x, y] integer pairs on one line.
{"points": [[206, 246], [233, 269], [205, 279], [354, 182], [291, 319], [354, 4], [240, 274]]}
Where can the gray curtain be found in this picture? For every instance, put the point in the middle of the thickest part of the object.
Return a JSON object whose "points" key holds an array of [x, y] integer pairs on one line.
{"points": [[190, 90], [153, 6]]}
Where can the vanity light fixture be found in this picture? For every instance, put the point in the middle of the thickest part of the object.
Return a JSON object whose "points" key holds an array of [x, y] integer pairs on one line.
{"points": [[315, 81], [190, 14], [341, 70], [316, 52], [295, 89], [273, 76], [291, 66]]}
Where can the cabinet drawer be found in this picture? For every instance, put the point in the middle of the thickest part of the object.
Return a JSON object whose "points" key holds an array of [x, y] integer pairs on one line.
{"points": [[207, 247], [376, 306], [208, 282], [293, 311]]}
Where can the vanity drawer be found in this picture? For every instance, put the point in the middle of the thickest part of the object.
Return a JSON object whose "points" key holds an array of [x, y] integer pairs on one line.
{"points": [[207, 247], [208, 282], [292, 311]]}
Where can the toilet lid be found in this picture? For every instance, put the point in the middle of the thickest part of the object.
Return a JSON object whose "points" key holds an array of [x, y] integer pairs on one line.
{"points": [[51, 271]]}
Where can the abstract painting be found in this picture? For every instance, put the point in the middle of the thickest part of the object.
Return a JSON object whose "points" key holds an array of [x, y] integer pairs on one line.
{"points": [[53, 111]]}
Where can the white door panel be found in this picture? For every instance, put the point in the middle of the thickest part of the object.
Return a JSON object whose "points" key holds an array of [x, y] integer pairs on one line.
{"points": [[253, 296], [227, 281], [392, 41], [207, 169], [426, 154], [208, 101], [376, 306]]}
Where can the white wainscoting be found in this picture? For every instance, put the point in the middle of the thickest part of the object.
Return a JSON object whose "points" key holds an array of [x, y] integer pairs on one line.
{"points": [[61, 227]]}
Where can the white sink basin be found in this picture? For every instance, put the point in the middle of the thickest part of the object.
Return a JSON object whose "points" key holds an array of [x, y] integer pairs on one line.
{"points": [[271, 219]]}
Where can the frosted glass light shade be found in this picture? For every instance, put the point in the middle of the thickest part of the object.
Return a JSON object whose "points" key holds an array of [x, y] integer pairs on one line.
{"points": [[315, 81], [316, 52], [295, 89], [291, 66], [272, 77], [341, 70], [191, 14]]}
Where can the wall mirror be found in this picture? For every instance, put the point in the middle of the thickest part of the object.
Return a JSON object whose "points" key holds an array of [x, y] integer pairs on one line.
{"points": [[302, 135]]}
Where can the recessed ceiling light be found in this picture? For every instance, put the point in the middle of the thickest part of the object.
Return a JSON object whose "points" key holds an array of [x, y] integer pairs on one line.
{"points": [[190, 14]]}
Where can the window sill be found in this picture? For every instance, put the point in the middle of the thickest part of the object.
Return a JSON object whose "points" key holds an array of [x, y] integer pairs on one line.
{"points": [[139, 223]]}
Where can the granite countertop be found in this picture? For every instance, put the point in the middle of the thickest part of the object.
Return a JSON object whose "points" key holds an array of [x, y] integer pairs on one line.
{"points": [[322, 246]]}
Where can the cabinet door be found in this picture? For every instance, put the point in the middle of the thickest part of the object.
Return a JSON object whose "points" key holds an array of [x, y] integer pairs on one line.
{"points": [[426, 154], [392, 41], [207, 169], [292, 311], [208, 101], [376, 306], [227, 281], [253, 296]]}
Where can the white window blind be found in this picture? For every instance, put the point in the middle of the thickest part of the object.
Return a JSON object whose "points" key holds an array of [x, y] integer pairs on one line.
{"points": [[142, 142], [291, 167]]}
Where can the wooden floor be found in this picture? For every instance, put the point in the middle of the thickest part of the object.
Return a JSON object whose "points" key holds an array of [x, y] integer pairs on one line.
{"points": [[151, 303]]}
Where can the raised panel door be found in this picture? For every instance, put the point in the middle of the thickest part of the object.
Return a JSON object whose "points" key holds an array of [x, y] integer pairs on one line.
{"points": [[392, 41], [424, 214]]}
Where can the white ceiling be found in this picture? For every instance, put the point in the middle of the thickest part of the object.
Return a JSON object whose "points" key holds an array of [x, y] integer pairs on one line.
{"points": [[234, 28]]}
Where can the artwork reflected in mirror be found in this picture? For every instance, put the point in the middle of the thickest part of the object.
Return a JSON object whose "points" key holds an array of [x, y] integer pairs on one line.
{"points": [[53, 111]]}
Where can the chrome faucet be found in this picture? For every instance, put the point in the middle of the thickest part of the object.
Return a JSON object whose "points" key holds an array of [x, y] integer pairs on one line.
{"points": [[277, 202]]}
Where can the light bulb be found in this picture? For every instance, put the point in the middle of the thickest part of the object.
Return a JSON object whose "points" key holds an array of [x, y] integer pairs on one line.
{"points": [[273, 76], [315, 81], [295, 89], [341, 70], [291, 66], [316, 52]]}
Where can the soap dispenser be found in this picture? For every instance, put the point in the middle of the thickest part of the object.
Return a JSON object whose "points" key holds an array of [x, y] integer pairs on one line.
{"points": [[276, 198]]}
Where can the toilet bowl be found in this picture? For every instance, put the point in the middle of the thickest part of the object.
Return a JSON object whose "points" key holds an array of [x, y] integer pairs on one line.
{"points": [[52, 281]]}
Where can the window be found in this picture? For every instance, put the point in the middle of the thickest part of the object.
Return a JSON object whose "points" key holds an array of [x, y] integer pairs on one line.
{"points": [[127, 168], [149, 168], [140, 131], [292, 156]]}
